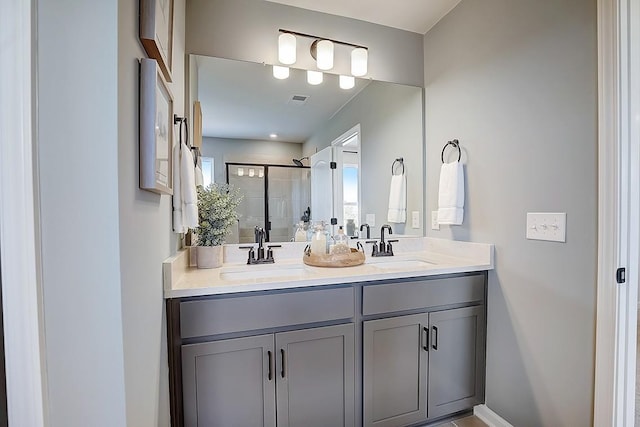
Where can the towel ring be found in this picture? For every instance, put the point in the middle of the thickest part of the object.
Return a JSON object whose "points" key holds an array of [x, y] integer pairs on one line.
{"points": [[456, 144], [393, 165]]}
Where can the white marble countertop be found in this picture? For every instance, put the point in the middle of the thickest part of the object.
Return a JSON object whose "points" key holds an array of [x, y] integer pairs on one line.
{"points": [[414, 257]]}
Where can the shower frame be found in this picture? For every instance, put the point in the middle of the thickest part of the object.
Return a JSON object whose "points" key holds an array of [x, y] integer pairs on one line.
{"points": [[266, 166]]}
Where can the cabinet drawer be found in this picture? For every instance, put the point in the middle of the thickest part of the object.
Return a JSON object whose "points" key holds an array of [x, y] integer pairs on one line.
{"points": [[246, 313], [387, 298]]}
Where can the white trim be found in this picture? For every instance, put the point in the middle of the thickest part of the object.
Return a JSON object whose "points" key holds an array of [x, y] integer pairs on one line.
{"points": [[489, 417], [25, 398]]}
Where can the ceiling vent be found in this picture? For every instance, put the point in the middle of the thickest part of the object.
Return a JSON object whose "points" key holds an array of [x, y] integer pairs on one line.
{"points": [[298, 100]]}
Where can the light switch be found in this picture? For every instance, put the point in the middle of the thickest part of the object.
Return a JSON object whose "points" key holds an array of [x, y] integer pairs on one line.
{"points": [[371, 220], [435, 225], [547, 226], [415, 219]]}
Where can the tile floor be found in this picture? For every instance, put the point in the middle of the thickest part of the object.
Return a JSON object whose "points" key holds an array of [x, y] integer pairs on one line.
{"points": [[471, 421]]}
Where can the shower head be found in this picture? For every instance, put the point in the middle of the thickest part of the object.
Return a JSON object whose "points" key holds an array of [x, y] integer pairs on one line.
{"points": [[298, 162]]}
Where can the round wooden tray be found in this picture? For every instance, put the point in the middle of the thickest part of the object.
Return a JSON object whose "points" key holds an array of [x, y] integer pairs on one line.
{"points": [[352, 259]]}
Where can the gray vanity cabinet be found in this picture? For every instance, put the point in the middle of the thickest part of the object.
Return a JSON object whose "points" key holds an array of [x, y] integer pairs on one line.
{"points": [[422, 366], [308, 375], [395, 371], [425, 365], [316, 377], [456, 360], [226, 383]]}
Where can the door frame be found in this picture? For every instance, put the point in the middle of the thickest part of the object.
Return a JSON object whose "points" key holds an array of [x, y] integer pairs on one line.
{"points": [[23, 333], [618, 210]]}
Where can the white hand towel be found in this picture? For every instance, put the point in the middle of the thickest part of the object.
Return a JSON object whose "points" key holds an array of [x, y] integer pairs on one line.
{"points": [[188, 183], [451, 194], [397, 199], [178, 224]]}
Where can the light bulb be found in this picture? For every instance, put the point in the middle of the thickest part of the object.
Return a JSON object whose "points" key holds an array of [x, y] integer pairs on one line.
{"points": [[260, 173], [240, 172], [347, 82], [314, 77], [280, 73], [287, 48], [324, 53], [359, 58], [252, 172]]}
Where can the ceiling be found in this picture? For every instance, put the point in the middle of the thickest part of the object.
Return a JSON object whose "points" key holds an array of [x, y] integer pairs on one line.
{"points": [[417, 16], [242, 100]]}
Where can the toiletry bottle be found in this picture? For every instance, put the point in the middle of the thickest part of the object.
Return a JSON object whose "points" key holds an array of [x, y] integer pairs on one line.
{"points": [[301, 233], [341, 245], [319, 241]]}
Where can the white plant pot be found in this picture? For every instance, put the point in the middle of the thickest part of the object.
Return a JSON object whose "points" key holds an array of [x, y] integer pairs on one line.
{"points": [[209, 256]]}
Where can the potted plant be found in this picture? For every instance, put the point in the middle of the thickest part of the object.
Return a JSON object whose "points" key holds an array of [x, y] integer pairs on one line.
{"points": [[217, 212]]}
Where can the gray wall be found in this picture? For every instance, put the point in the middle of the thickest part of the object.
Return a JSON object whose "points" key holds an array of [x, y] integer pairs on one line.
{"points": [[391, 124], [145, 232], [248, 30], [247, 151], [77, 179], [516, 83]]}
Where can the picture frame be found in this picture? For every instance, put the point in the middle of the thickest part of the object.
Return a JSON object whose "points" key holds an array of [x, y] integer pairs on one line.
{"points": [[156, 32], [156, 129]]}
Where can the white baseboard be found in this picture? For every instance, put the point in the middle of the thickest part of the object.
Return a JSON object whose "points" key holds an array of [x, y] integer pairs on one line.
{"points": [[488, 416]]}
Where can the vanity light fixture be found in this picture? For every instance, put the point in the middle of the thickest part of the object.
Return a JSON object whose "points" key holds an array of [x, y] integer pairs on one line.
{"points": [[252, 172], [280, 73], [240, 171], [260, 173], [347, 82], [314, 77], [287, 48], [322, 50], [359, 60]]}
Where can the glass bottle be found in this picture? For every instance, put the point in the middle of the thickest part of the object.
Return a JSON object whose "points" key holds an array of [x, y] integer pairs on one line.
{"points": [[319, 240], [341, 245], [300, 234]]}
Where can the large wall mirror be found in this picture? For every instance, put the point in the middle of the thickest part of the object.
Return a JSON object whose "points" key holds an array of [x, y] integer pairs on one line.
{"points": [[254, 126]]}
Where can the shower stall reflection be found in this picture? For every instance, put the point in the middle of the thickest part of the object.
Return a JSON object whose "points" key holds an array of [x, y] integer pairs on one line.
{"points": [[275, 198]]}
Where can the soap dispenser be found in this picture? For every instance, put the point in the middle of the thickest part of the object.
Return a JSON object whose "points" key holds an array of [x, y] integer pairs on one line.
{"points": [[341, 245]]}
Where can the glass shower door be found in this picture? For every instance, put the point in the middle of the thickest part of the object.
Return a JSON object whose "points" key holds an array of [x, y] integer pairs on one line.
{"points": [[289, 196], [250, 180]]}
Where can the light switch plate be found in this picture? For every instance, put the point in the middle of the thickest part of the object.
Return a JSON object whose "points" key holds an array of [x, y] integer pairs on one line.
{"points": [[415, 219], [435, 225], [547, 226], [371, 220]]}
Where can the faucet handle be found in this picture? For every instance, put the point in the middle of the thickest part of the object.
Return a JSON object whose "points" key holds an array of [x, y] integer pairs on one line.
{"points": [[252, 254], [270, 250]]}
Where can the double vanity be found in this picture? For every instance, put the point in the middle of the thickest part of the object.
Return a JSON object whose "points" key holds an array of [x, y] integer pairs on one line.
{"points": [[396, 341]]}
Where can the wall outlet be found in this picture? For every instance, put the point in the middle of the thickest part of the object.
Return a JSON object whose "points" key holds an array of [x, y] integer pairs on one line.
{"points": [[415, 219], [435, 225], [371, 220], [547, 226]]}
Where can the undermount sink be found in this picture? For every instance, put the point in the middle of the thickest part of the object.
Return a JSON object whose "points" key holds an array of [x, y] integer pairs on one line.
{"points": [[400, 264], [262, 272]]}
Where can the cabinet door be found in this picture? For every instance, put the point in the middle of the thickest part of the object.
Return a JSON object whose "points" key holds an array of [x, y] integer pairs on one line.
{"points": [[395, 371], [229, 383], [456, 360], [315, 377]]}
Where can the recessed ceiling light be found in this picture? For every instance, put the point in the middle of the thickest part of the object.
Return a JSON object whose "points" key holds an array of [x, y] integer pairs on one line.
{"points": [[273, 135]]}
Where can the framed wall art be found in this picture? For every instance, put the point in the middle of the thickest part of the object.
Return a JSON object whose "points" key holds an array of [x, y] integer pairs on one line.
{"points": [[156, 32], [156, 129]]}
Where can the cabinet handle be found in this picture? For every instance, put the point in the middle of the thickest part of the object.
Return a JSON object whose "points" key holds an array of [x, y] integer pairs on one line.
{"points": [[282, 355], [425, 345], [270, 376], [434, 337]]}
